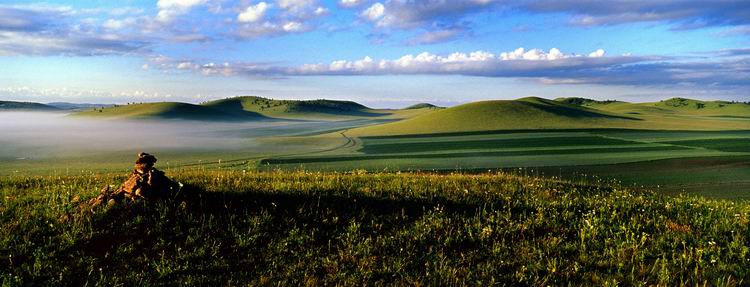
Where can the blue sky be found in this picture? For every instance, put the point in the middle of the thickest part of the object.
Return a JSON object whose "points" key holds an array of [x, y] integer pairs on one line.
{"points": [[384, 53]]}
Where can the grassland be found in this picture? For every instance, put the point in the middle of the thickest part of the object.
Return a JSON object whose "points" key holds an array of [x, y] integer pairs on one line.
{"points": [[571, 113], [572, 136], [261, 228], [252, 109], [606, 153]]}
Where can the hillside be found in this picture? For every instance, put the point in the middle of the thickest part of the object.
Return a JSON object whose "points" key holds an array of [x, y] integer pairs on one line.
{"points": [[166, 110], [77, 106], [673, 106], [302, 228], [294, 109], [25, 106], [248, 108], [422, 106], [526, 113]]}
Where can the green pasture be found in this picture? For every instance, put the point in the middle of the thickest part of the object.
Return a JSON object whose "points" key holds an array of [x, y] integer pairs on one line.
{"points": [[572, 153]]}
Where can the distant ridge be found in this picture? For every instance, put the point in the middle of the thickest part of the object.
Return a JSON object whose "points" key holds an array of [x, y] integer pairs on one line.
{"points": [[165, 110], [292, 109], [422, 106], [25, 106], [584, 101], [245, 108], [76, 106]]}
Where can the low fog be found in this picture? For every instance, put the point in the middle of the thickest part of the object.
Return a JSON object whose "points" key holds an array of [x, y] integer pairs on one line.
{"points": [[34, 135]]}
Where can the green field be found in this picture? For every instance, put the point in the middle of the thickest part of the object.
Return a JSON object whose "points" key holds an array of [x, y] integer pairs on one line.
{"points": [[302, 228], [527, 192], [570, 136], [573, 153]]}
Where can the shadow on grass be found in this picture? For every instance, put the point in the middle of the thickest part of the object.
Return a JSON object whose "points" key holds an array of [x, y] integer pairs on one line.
{"points": [[220, 237]]}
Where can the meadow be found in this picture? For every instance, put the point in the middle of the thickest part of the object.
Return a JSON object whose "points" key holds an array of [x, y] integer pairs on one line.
{"points": [[717, 161], [335, 193], [312, 228]]}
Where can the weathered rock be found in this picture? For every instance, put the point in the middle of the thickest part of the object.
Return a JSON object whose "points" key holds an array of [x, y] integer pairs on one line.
{"points": [[145, 184]]}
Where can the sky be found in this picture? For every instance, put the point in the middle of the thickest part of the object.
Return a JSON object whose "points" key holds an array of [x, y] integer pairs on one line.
{"points": [[382, 53]]}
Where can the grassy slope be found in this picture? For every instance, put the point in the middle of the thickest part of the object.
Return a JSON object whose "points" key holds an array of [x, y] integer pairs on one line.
{"points": [[572, 113], [165, 110], [253, 108], [527, 113], [422, 106], [674, 106], [369, 229], [307, 109], [25, 106]]}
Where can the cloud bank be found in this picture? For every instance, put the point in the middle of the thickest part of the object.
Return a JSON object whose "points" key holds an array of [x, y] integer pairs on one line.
{"points": [[725, 69]]}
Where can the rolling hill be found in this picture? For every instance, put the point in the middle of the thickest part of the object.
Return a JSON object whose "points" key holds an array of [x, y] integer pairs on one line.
{"points": [[25, 106], [422, 106], [77, 106], [252, 108], [294, 109], [167, 110], [526, 113], [673, 106]]}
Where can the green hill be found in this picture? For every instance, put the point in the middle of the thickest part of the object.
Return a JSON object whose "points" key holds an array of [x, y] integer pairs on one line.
{"points": [[294, 109], [705, 108], [422, 106], [585, 102], [673, 106], [25, 106], [166, 110], [248, 108], [526, 113]]}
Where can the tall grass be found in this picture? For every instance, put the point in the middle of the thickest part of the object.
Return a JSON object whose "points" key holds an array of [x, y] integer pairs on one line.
{"points": [[292, 228]]}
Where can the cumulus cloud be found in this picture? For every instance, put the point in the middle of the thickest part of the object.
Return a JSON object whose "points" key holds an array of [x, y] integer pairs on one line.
{"points": [[117, 24], [726, 69], [435, 16], [253, 13], [287, 17], [441, 20], [350, 3], [169, 9], [375, 12], [52, 30]]}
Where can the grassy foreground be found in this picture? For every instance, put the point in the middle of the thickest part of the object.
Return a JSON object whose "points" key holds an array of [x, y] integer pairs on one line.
{"points": [[290, 228]]}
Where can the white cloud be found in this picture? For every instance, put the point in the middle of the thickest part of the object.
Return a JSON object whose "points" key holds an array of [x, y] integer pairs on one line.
{"points": [[536, 54], [114, 24], [184, 66], [253, 13], [296, 6], [292, 26], [375, 12], [517, 63], [350, 3], [597, 54], [287, 16], [169, 9], [320, 11]]}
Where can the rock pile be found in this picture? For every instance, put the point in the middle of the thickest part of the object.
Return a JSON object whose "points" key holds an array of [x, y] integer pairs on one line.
{"points": [[145, 183]]}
